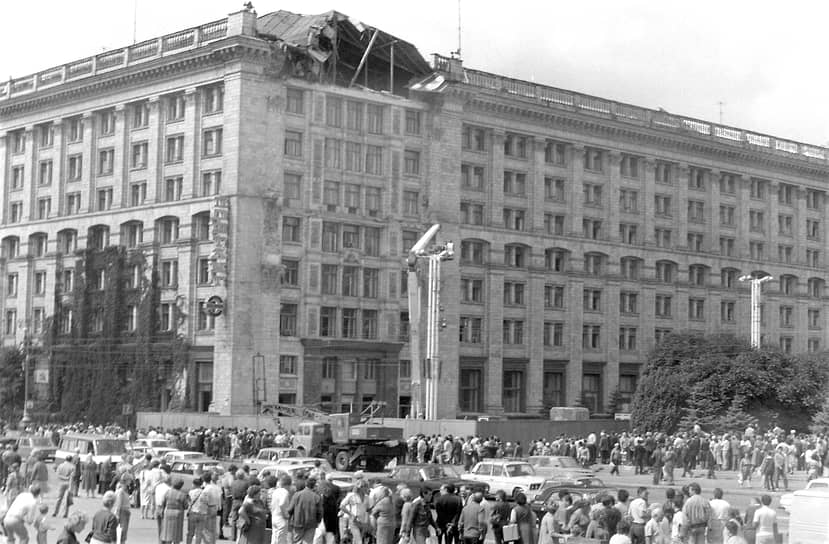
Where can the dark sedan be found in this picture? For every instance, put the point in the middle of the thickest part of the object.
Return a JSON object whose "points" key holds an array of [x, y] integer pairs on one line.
{"points": [[430, 476], [580, 489]]}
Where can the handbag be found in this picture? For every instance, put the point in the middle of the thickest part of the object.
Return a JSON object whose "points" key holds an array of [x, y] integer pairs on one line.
{"points": [[511, 532]]}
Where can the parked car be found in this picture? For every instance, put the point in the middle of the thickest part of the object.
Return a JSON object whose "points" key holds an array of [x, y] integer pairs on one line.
{"points": [[787, 498], [559, 467], [511, 476], [430, 476], [31, 444], [101, 447], [152, 443], [269, 456], [324, 464], [190, 469], [580, 489], [176, 455]]}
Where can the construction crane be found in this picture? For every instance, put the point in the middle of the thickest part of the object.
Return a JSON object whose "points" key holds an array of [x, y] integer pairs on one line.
{"points": [[434, 255]]}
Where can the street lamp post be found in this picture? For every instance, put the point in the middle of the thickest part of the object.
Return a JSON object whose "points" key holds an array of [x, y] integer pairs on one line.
{"points": [[26, 419], [756, 294]]}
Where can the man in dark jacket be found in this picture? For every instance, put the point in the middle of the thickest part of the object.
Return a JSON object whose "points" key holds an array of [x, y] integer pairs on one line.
{"points": [[305, 511], [448, 508]]}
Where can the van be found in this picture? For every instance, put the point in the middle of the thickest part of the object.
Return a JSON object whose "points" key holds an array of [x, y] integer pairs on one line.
{"points": [[809, 523], [99, 446]]}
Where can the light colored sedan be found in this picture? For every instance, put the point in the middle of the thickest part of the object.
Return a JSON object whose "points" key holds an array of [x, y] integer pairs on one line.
{"points": [[558, 467], [787, 498], [512, 477]]}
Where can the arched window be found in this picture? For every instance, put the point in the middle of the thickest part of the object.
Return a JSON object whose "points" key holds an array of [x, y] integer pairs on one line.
{"points": [[166, 230], [816, 287], [132, 234], [556, 259], [698, 275], [788, 284], [473, 251], [630, 268], [38, 244], [201, 226], [516, 255], [67, 241], [728, 277], [11, 247], [595, 263], [666, 271], [97, 237]]}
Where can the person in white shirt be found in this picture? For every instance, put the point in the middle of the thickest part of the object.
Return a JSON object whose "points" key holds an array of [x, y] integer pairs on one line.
{"points": [[622, 534], [765, 520], [638, 512], [658, 528], [20, 513], [719, 515], [280, 501], [679, 528]]}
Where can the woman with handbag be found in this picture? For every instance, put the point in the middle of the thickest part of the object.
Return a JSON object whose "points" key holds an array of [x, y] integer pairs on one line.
{"points": [[253, 518], [523, 516]]}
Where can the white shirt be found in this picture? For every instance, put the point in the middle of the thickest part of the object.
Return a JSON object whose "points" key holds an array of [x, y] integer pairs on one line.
{"points": [[637, 509], [719, 509], [24, 507], [676, 523], [619, 539], [279, 502], [160, 490], [764, 520]]}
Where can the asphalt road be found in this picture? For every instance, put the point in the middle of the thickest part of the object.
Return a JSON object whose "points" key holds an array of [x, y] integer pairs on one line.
{"points": [[144, 531]]}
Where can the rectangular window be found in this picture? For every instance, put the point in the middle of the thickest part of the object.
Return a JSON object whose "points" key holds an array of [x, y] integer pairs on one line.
{"points": [[814, 319], [629, 166], [213, 98], [756, 250], [555, 153], [514, 219], [330, 237], [411, 204], [11, 322], [212, 142], [353, 197], [287, 320], [11, 285], [46, 131], [374, 118], [203, 271], [813, 258], [554, 224], [104, 199], [592, 300], [173, 188], [73, 203], [165, 321], [106, 161], [728, 184], [695, 242], [554, 189], [290, 229], [513, 331], [44, 207], [15, 212], [663, 205], [295, 101], [727, 216], [107, 122], [553, 334], [593, 159], [374, 160], [411, 162], [333, 111], [785, 253], [696, 211], [726, 246], [727, 314], [629, 200], [592, 194], [75, 129], [514, 294], [696, 178], [628, 303], [169, 231], [470, 330], [353, 157], [472, 252], [330, 273], [19, 176], [333, 153], [211, 183], [169, 273], [472, 290], [328, 322], [351, 237], [369, 332], [813, 229], [664, 173], [349, 323], [354, 115], [696, 309], [68, 281], [628, 233], [756, 221], [140, 113], [290, 273], [44, 176], [663, 305], [758, 189], [174, 150], [413, 122], [513, 391], [554, 297], [138, 157], [371, 282], [329, 368], [473, 138], [814, 199], [591, 337], [627, 339], [75, 167], [293, 143], [288, 364], [206, 321], [591, 228], [471, 387], [175, 107], [662, 237], [351, 276]]}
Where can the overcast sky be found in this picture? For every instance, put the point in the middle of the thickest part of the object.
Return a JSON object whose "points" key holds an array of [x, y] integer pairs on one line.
{"points": [[763, 59]]}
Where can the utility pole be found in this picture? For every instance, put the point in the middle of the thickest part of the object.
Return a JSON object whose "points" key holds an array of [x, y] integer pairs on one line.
{"points": [[756, 294], [26, 419]]}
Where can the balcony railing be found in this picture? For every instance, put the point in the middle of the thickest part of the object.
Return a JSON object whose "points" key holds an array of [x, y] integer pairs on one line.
{"points": [[635, 115], [118, 58]]}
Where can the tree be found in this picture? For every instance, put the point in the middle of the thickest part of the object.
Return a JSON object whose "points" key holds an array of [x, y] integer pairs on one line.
{"points": [[820, 421], [11, 382], [720, 382]]}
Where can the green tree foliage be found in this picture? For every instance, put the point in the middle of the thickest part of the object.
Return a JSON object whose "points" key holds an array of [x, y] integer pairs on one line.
{"points": [[11, 383], [720, 382]]}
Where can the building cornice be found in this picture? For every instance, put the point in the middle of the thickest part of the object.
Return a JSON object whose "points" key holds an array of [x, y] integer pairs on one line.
{"points": [[158, 69], [510, 106]]}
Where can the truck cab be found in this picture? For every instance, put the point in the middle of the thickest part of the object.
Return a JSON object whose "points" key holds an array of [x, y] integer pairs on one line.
{"points": [[313, 437]]}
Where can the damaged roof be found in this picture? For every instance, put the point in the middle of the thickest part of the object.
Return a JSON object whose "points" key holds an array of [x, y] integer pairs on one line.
{"points": [[316, 34]]}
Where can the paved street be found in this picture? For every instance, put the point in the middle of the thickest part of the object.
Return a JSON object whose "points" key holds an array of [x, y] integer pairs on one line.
{"points": [[144, 531]]}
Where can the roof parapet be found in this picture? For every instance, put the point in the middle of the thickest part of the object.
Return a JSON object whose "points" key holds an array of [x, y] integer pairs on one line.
{"points": [[242, 23], [628, 113]]}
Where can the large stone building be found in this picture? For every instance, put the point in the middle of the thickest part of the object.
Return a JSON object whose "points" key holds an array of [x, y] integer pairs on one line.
{"points": [[277, 168]]}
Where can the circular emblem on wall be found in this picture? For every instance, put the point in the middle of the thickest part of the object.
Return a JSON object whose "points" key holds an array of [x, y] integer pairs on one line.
{"points": [[215, 305]]}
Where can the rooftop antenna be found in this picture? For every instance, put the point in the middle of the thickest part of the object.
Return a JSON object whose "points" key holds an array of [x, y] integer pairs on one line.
{"points": [[458, 52], [721, 104], [134, 20]]}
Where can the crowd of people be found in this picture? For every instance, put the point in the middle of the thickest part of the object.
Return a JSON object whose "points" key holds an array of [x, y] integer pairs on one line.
{"points": [[239, 504]]}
